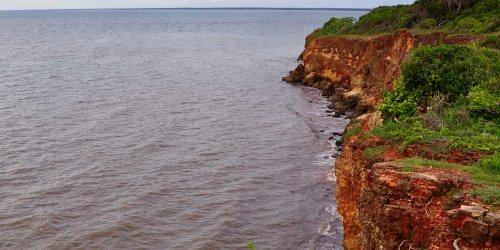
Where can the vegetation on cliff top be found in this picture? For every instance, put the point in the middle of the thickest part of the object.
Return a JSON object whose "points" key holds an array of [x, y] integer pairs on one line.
{"points": [[448, 97], [459, 16]]}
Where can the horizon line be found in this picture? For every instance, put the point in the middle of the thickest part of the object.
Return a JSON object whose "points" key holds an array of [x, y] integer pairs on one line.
{"points": [[205, 8]]}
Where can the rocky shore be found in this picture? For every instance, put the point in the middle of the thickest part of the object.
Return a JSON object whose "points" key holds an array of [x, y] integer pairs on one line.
{"points": [[387, 204]]}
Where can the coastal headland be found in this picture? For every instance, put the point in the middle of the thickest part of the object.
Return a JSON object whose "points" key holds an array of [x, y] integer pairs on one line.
{"points": [[419, 168]]}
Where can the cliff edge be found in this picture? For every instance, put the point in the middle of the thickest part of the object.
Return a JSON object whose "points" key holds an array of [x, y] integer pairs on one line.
{"points": [[394, 197]]}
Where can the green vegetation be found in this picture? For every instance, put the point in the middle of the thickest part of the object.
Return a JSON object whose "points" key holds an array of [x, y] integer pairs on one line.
{"points": [[449, 71], [409, 169], [492, 41], [485, 173], [448, 97], [374, 151], [457, 88], [251, 245], [461, 16], [352, 130], [332, 27]]}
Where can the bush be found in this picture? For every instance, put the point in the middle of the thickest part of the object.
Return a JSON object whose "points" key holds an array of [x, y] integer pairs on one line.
{"points": [[450, 70], [483, 102], [468, 24], [428, 23], [492, 41], [399, 103]]}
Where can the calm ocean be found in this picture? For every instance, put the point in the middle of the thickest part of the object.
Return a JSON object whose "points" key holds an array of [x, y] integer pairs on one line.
{"points": [[163, 129]]}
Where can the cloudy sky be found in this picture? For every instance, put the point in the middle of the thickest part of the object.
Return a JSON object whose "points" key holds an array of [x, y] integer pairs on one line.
{"points": [[77, 4]]}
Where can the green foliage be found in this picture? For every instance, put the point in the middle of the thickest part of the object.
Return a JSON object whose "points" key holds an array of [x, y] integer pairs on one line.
{"points": [[492, 41], [468, 25], [399, 103], [352, 130], [383, 19], [409, 169], [481, 174], [374, 151], [490, 195], [332, 27], [451, 71], [464, 16], [478, 135], [251, 245], [428, 23], [484, 102], [491, 163], [485, 12]]}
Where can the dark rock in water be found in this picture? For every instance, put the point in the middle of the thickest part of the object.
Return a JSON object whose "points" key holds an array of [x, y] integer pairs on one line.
{"points": [[311, 79], [329, 89], [338, 133], [322, 131], [296, 75], [329, 111], [301, 57], [330, 138], [339, 143]]}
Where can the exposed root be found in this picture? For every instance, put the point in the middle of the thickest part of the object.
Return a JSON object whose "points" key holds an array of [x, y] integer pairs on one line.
{"points": [[455, 244], [428, 205], [400, 245]]}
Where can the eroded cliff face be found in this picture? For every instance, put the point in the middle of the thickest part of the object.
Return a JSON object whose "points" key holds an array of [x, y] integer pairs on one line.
{"points": [[358, 70], [385, 204]]}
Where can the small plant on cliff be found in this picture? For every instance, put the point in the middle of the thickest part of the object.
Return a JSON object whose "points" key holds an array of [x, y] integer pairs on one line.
{"points": [[374, 151], [352, 130], [251, 245]]}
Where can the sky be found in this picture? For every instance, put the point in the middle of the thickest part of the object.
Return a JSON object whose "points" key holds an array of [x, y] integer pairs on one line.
{"points": [[91, 4]]}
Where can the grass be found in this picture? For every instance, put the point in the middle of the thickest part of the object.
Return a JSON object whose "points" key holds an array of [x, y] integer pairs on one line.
{"points": [[352, 130], [479, 135], [374, 151], [485, 173], [409, 169], [490, 195]]}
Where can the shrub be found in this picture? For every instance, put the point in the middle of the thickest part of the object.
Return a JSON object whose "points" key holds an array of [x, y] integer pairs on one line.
{"points": [[450, 70], [399, 103], [428, 23], [484, 102], [468, 24], [492, 41]]}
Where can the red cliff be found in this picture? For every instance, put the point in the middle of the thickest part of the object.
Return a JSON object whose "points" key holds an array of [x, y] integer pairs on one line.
{"points": [[385, 205]]}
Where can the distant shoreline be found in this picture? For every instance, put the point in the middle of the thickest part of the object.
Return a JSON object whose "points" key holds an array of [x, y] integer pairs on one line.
{"points": [[222, 8]]}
